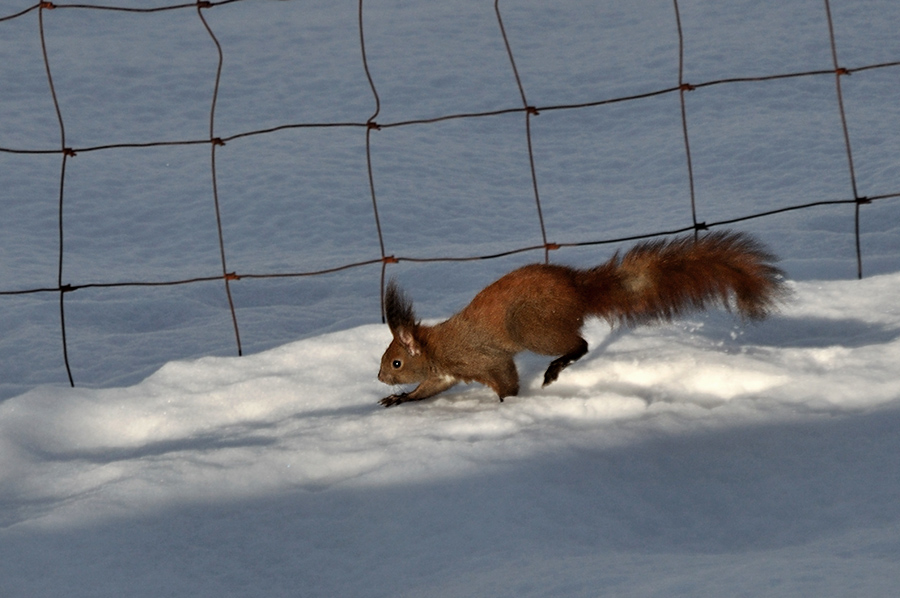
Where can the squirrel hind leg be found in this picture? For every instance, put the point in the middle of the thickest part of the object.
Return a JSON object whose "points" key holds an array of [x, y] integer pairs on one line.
{"points": [[561, 363], [502, 377]]}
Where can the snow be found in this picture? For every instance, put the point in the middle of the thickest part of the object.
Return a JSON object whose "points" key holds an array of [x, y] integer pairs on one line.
{"points": [[702, 458], [696, 459]]}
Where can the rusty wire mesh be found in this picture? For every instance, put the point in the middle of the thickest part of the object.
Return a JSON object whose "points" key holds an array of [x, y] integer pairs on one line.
{"points": [[372, 125]]}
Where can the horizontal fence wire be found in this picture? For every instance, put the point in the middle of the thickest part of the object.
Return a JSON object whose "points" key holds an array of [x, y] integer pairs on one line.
{"points": [[372, 125]]}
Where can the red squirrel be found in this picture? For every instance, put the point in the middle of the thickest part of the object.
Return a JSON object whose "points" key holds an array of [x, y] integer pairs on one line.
{"points": [[542, 307]]}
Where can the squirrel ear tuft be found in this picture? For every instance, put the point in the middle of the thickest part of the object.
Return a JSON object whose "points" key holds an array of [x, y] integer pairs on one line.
{"points": [[398, 309]]}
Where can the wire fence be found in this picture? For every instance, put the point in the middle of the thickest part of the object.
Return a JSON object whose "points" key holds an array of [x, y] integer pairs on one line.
{"points": [[373, 125]]}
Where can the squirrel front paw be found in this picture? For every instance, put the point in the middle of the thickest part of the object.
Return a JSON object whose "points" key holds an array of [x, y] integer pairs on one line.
{"points": [[394, 399]]}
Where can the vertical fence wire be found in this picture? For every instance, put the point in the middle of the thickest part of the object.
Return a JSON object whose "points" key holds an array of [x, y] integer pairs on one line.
{"points": [[62, 185], [682, 89], [214, 142], [838, 73], [529, 112], [372, 125]]}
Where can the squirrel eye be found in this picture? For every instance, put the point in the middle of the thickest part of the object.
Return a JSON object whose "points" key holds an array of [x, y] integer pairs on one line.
{"points": [[396, 363]]}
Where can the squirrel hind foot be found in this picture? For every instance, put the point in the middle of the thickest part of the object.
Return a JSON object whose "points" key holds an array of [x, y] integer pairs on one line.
{"points": [[561, 363]]}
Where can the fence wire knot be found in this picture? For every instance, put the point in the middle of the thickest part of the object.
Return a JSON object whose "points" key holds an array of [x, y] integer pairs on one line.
{"points": [[842, 71], [686, 87], [232, 276], [47, 5], [389, 259], [372, 125]]}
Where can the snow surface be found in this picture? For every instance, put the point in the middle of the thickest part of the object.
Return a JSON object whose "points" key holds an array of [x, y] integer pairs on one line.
{"points": [[702, 458], [697, 459]]}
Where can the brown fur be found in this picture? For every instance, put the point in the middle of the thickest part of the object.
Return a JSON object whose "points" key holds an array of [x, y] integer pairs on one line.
{"points": [[542, 307]]}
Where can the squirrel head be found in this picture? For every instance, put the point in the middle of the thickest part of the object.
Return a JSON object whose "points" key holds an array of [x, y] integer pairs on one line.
{"points": [[405, 359]]}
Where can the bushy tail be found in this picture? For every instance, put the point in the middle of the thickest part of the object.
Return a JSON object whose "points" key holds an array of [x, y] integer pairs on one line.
{"points": [[660, 280]]}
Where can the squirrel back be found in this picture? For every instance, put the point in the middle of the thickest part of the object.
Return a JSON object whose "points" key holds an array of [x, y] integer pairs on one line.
{"points": [[542, 308]]}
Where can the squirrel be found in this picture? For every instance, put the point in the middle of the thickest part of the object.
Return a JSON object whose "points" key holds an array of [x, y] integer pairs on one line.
{"points": [[542, 307]]}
